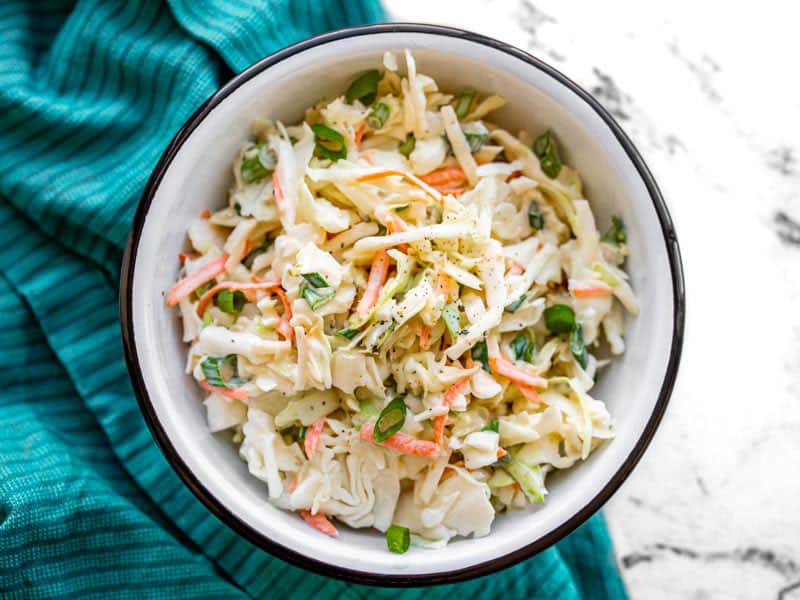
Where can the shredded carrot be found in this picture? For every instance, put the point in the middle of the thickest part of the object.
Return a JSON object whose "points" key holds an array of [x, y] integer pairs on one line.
{"points": [[205, 214], [294, 483], [424, 337], [359, 134], [312, 437], [248, 246], [284, 326], [248, 289], [407, 176], [318, 521], [378, 273], [529, 392], [280, 199], [402, 443], [501, 452], [515, 268], [449, 397], [514, 175], [190, 283], [452, 191], [237, 393], [442, 283], [183, 257], [502, 366], [445, 177], [395, 224], [592, 292]]}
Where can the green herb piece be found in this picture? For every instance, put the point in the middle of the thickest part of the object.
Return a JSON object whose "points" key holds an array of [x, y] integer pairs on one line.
{"points": [[301, 434], [476, 135], [315, 279], [213, 366], [258, 165], [464, 103], [530, 479], [314, 296], [231, 302], [407, 147], [398, 539], [378, 116], [238, 208], [493, 425], [364, 87], [523, 347], [535, 216], [616, 233], [329, 143], [516, 304], [390, 420], [203, 289], [577, 346], [207, 319], [480, 353], [544, 147], [452, 319], [559, 318], [348, 333]]}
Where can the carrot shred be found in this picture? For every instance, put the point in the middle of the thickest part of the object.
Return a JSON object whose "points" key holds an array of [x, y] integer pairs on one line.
{"points": [[318, 521], [442, 283], [395, 224], [378, 273], [530, 393], [449, 397], [514, 175], [284, 326], [502, 366], [515, 268], [312, 437], [280, 199], [424, 337], [236, 393], [190, 283], [592, 292], [248, 289], [248, 246], [501, 452], [445, 177], [452, 191], [433, 193], [205, 214], [359, 134], [402, 443], [183, 257]]}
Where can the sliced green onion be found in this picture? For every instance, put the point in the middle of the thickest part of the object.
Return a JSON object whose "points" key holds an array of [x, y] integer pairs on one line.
{"points": [[378, 116], [530, 479], [398, 539], [391, 419], [476, 135], [301, 434], [329, 143], [577, 346], [364, 87], [203, 289], [480, 353], [544, 147], [315, 279], [516, 304], [535, 216], [231, 302], [559, 318], [259, 165], [238, 208], [464, 103], [523, 347], [407, 147], [616, 233], [348, 333], [315, 297], [212, 368], [493, 425], [452, 319]]}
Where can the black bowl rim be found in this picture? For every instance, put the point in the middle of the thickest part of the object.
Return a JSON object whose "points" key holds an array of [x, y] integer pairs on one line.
{"points": [[292, 556]]}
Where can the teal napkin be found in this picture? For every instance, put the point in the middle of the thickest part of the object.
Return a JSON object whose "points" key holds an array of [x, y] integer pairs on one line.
{"points": [[91, 92]]}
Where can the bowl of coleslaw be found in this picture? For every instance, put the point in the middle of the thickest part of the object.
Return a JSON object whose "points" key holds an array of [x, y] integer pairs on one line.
{"points": [[398, 287]]}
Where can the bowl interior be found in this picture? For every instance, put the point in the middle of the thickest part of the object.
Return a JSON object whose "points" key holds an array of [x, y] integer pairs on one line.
{"points": [[198, 177]]}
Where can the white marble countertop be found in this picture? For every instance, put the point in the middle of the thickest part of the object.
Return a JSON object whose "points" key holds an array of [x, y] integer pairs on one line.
{"points": [[711, 96]]}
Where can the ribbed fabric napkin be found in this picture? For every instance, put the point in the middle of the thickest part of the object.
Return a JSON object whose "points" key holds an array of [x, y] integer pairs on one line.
{"points": [[91, 92]]}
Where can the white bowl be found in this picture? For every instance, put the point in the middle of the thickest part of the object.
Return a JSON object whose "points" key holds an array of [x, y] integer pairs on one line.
{"points": [[195, 173]]}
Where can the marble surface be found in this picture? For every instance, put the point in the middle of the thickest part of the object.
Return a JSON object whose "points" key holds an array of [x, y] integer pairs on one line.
{"points": [[711, 97]]}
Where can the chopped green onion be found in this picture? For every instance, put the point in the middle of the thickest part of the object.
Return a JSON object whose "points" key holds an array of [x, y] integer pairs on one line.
{"points": [[238, 208], [523, 347], [535, 216], [348, 333], [493, 425], [559, 318], [329, 143], [476, 135], [212, 368], [516, 304], [259, 165], [364, 87], [577, 346], [301, 435], [315, 279], [315, 297], [616, 233], [207, 318], [452, 319], [407, 147], [391, 419], [500, 479], [203, 289], [464, 103], [231, 302], [398, 539], [480, 353], [378, 116], [544, 147], [530, 479]]}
